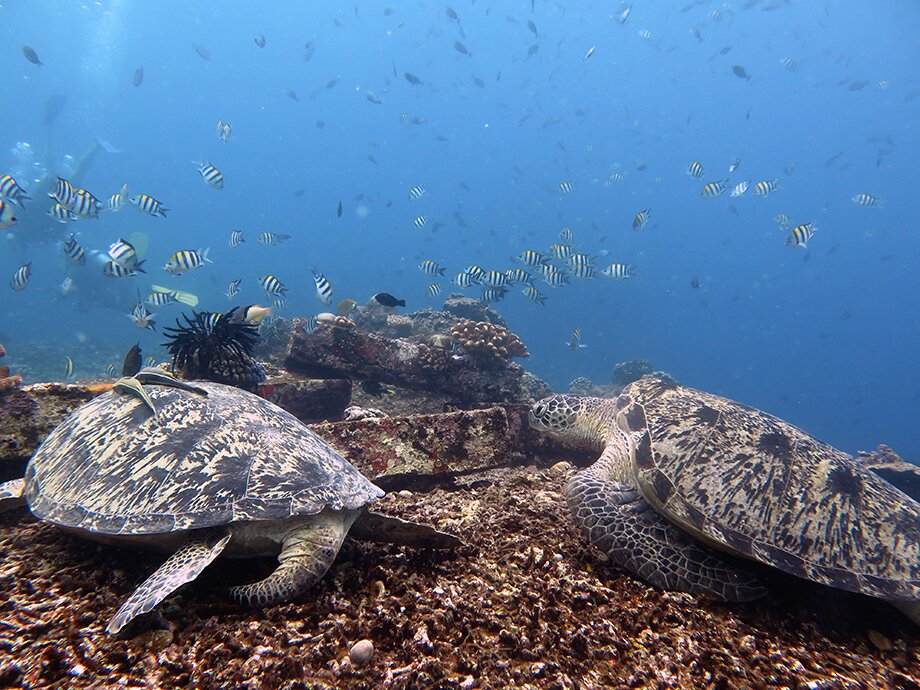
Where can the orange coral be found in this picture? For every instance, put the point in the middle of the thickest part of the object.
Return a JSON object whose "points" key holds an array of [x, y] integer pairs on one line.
{"points": [[488, 342]]}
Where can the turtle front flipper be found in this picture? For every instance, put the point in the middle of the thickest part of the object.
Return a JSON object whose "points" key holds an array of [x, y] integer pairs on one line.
{"points": [[183, 566], [11, 494], [618, 520], [307, 552]]}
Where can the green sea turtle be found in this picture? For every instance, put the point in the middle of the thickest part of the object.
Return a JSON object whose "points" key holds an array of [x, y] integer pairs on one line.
{"points": [[217, 471], [686, 476]]}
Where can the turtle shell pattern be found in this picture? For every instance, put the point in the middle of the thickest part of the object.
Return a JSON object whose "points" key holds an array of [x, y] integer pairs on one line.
{"points": [[743, 479], [109, 468]]}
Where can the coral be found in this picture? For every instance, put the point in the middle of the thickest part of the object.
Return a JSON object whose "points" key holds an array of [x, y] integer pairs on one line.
{"points": [[489, 343], [215, 347], [633, 370], [581, 386], [8, 382], [469, 308]]}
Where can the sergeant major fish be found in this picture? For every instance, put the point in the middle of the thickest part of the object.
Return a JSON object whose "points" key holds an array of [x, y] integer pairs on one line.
{"points": [[739, 189], [148, 204], [210, 174], [186, 259], [800, 235], [21, 277], [323, 287]]}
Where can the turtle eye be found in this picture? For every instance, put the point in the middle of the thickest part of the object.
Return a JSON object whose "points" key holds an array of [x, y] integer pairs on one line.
{"points": [[538, 410]]}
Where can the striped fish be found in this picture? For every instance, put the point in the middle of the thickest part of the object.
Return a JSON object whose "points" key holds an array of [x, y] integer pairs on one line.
{"points": [[271, 239], [12, 191], [310, 325], [272, 285], [566, 235], [59, 213], [117, 201], [123, 253], [85, 205], [695, 169], [63, 193], [21, 277], [534, 295], [782, 220], [641, 219], [518, 276], [68, 367], [582, 271], [765, 188], [323, 287], [493, 294], [279, 303], [553, 276], [566, 187], [494, 279], [210, 174], [800, 235], [529, 257], [74, 251], [148, 204], [713, 189], [433, 290], [464, 280], [420, 222], [236, 238], [114, 270], [619, 271], [7, 216], [234, 288], [560, 252], [431, 268], [866, 200], [575, 341], [187, 259], [110, 369], [417, 192], [150, 361], [161, 299], [739, 189]]}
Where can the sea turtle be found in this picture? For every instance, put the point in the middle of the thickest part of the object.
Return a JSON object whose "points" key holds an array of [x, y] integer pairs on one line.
{"points": [[683, 471], [216, 470]]}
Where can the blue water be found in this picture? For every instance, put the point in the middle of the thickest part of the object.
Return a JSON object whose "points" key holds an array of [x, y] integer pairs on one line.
{"points": [[825, 337]]}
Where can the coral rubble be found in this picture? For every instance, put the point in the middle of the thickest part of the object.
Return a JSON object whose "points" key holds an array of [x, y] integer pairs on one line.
{"points": [[8, 381]]}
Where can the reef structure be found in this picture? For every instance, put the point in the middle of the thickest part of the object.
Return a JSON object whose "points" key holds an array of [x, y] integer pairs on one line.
{"points": [[8, 381]]}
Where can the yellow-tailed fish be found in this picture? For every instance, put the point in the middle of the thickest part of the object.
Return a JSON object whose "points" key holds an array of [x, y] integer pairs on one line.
{"points": [[186, 298]]}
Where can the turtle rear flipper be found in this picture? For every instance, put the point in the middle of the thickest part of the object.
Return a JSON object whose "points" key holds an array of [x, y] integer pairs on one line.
{"points": [[183, 566], [307, 552], [392, 530], [11, 494], [618, 520]]}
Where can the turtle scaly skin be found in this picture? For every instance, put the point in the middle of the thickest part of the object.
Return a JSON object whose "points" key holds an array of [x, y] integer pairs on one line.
{"points": [[729, 476]]}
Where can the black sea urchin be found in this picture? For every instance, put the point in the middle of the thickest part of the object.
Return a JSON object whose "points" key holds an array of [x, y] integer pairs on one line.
{"points": [[215, 347]]}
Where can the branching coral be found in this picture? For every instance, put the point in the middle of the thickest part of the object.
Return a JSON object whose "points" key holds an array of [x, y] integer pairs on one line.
{"points": [[488, 342], [8, 382]]}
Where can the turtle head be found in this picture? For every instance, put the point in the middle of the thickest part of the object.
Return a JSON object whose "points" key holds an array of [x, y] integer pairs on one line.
{"points": [[572, 419]]}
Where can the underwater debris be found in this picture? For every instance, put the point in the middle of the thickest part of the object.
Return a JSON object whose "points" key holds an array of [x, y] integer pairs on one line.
{"points": [[488, 342], [215, 347]]}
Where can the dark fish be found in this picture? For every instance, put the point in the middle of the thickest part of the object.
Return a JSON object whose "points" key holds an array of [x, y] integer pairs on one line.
{"points": [[694, 282], [479, 82], [31, 55], [332, 83], [338, 209], [339, 24], [412, 79], [309, 49], [372, 97], [726, 50], [260, 40], [290, 94], [138, 76], [387, 300], [132, 362], [460, 48], [202, 52], [371, 158], [833, 159], [320, 124], [449, 11], [533, 50], [300, 192], [532, 26], [740, 72], [857, 85]]}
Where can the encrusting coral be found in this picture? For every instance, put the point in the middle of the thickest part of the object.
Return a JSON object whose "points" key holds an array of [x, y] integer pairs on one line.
{"points": [[8, 382], [488, 342]]}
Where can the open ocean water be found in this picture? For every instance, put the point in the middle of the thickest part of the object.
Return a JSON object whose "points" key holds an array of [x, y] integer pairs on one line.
{"points": [[512, 121]]}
